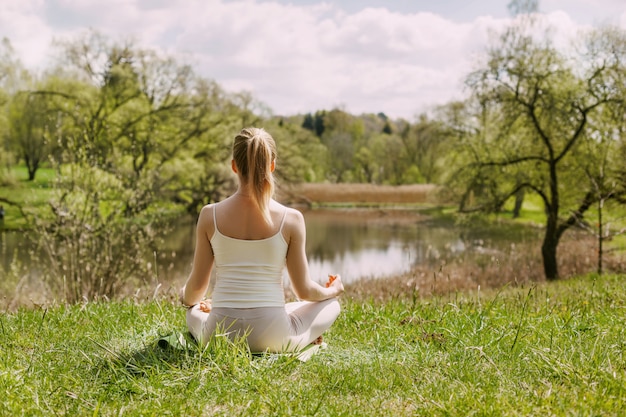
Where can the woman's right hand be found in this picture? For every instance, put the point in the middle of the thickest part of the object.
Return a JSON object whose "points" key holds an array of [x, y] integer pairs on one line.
{"points": [[205, 306]]}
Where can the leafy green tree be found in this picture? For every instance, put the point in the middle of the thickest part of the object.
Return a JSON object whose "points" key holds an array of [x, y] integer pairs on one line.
{"points": [[424, 146], [369, 157], [387, 128], [390, 151], [535, 114], [13, 75], [301, 155], [365, 164], [32, 126], [141, 137], [136, 115], [308, 122], [13, 78], [342, 135], [319, 123]]}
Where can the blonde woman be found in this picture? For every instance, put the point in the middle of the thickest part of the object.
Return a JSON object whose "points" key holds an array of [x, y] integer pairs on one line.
{"points": [[249, 238]]}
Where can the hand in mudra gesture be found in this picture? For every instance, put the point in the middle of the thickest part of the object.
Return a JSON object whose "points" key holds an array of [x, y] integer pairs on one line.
{"points": [[335, 281], [205, 306]]}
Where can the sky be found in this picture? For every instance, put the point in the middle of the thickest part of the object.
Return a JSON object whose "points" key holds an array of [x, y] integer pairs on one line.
{"points": [[399, 57]]}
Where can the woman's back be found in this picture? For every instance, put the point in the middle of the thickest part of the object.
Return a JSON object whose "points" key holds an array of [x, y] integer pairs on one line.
{"points": [[249, 259]]}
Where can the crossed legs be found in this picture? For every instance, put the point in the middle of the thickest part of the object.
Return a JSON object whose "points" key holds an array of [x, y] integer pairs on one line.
{"points": [[276, 329]]}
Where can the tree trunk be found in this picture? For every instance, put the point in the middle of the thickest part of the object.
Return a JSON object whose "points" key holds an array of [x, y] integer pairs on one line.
{"points": [[32, 166], [519, 200], [548, 251], [600, 236]]}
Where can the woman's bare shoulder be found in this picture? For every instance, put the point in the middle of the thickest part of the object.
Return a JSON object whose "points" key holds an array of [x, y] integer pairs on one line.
{"points": [[294, 218], [207, 211], [205, 218]]}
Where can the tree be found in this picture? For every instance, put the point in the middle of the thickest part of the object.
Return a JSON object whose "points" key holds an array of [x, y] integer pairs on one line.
{"points": [[387, 128], [424, 145], [32, 128], [308, 122], [301, 155], [137, 115], [13, 77], [138, 132], [343, 134], [535, 112], [318, 123]]}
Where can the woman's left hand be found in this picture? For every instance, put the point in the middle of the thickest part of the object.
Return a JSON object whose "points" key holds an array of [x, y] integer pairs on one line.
{"points": [[205, 306]]}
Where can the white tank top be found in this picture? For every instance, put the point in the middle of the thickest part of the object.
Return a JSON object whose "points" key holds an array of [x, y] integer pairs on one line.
{"points": [[248, 273]]}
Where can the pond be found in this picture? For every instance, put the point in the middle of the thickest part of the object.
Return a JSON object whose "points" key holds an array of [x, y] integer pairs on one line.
{"points": [[374, 243], [356, 243]]}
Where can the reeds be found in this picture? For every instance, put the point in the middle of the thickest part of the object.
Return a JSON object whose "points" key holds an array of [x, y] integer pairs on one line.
{"points": [[321, 193], [520, 265]]}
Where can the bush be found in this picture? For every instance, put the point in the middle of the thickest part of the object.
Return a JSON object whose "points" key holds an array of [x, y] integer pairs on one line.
{"points": [[93, 246]]}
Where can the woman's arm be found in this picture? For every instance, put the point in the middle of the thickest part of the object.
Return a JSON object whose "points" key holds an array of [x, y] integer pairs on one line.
{"points": [[198, 281], [297, 266]]}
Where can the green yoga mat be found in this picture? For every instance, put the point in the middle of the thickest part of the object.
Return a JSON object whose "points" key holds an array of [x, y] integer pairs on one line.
{"points": [[176, 340]]}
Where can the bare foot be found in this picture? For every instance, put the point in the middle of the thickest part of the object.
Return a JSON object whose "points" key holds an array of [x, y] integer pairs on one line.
{"points": [[318, 341]]}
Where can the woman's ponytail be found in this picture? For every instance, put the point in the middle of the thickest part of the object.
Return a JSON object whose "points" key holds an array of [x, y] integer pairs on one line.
{"points": [[254, 151]]}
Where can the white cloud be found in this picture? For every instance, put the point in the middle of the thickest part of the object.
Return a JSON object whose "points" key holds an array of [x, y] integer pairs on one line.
{"points": [[25, 28], [294, 58], [310, 58]]}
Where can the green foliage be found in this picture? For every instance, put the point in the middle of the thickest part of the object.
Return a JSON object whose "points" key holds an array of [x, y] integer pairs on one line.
{"points": [[412, 176], [22, 199], [300, 153], [308, 123], [551, 349], [13, 75], [387, 128], [540, 121], [92, 247], [32, 126]]}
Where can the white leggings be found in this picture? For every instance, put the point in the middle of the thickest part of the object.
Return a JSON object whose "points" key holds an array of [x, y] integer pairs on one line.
{"points": [[274, 329]]}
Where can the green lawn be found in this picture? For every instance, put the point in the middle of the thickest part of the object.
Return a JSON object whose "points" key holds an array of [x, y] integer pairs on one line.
{"points": [[551, 349]]}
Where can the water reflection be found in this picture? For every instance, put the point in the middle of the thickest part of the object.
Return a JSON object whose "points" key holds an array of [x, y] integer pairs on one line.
{"points": [[364, 243]]}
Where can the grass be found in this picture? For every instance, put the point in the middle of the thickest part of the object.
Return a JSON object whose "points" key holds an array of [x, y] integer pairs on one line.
{"points": [[546, 349], [30, 195]]}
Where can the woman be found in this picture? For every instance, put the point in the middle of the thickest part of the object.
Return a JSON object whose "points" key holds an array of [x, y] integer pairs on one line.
{"points": [[250, 237]]}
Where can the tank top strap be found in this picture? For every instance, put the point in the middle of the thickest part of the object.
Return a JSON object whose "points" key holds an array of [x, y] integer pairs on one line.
{"points": [[282, 222], [215, 216]]}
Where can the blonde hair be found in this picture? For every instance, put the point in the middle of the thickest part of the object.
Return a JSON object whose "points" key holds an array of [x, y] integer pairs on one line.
{"points": [[254, 150]]}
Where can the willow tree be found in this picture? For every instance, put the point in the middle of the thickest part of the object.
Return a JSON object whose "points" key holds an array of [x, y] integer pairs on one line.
{"points": [[541, 115]]}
